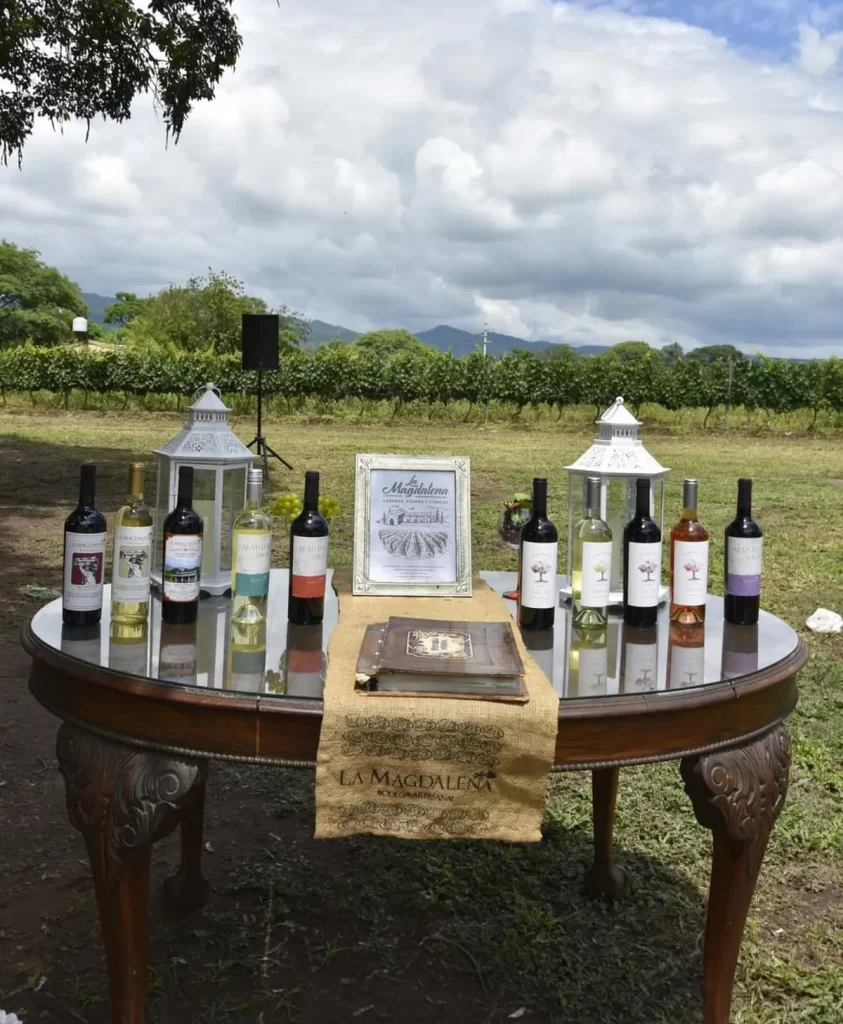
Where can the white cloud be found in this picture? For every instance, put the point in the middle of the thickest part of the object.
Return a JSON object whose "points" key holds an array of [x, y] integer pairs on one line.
{"points": [[819, 53], [571, 173]]}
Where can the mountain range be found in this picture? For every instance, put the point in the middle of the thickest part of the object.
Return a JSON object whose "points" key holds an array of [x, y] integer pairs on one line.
{"points": [[443, 337]]}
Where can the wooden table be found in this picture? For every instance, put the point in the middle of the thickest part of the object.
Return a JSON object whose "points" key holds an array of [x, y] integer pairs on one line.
{"points": [[143, 714]]}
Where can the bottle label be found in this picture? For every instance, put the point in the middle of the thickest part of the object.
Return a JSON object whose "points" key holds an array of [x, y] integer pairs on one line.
{"points": [[538, 575], [596, 574], [743, 566], [687, 666], [739, 663], [84, 564], [182, 567], [640, 664], [310, 566], [644, 575], [177, 663], [247, 670], [594, 670], [253, 556], [130, 658], [304, 673], [690, 572], [132, 556]]}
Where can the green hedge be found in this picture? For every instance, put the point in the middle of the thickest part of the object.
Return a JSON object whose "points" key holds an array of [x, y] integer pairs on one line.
{"points": [[518, 378]]}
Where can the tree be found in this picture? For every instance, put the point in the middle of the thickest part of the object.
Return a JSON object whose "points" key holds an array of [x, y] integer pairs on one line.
{"points": [[205, 315], [126, 308], [630, 351], [385, 344], [709, 354], [672, 353], [77, 59], [37, 303]]}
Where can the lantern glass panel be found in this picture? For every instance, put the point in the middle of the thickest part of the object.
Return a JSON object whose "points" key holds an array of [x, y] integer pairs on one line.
{"points": [[162, 510], [233, 489], [204, 493]]}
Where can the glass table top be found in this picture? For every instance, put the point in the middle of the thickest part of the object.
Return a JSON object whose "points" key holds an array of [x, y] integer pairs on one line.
{"points": [[284, 660]]}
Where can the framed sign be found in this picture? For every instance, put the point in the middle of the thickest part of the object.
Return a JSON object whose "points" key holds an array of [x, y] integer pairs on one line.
{"points": [[412, 526]]}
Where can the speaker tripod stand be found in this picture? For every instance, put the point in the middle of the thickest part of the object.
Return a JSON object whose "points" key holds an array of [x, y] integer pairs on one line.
{"points": [[258, 442]]}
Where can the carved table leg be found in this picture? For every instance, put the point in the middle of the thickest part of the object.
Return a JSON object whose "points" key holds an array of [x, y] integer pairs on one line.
{"points": [[738, 794], [187, 888], [604, 879], [122, 800]]}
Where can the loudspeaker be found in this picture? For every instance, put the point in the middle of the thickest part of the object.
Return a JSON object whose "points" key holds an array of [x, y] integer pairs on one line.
{"points": [[260, 341]]}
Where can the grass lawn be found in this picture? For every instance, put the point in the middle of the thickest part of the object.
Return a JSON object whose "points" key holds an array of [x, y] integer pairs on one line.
{"points": [[359, 925]]}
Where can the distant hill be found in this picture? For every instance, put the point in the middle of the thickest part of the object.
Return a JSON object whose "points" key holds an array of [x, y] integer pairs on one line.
{"points": [[96, 307], [462, 342], [443, 337], [320, 332]]}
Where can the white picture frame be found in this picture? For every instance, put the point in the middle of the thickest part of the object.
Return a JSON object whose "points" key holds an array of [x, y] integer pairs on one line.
{"points": [[412, 526]]}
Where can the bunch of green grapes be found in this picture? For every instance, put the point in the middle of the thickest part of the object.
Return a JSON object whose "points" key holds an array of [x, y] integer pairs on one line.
{"points": [[329, 507], [286, 506]]}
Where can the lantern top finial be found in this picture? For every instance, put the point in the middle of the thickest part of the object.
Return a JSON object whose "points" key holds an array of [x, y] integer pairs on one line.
{"points": [[207, 435], [618, 450], [618, 415]]}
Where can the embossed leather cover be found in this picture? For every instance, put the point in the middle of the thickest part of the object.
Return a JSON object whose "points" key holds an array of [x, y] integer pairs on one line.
{"points": [[434, 657]]}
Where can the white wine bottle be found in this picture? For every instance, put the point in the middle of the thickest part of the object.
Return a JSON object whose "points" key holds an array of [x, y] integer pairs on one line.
{"points": [[588, 663], [252, 556], [132, 555], [592, 562]]}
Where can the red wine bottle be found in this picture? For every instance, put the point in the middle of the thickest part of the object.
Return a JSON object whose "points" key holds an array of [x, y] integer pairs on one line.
{"points": [[744, 555], [308, 559], [182, 556], [84, 555], [539, 546], [642, 563]]}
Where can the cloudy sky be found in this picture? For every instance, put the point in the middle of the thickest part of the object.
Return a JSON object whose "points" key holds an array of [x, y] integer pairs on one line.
{"points": [[668, 170]]}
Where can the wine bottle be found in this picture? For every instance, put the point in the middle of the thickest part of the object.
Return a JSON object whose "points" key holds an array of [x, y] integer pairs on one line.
{"points": [[246, 656], [304, 662], [685, 656], [82, 642], [688, 562], [84, 555], [128, 648], [740, 651], [588, 665], [177, 652], [539, 544], [639, 659], [132, 555], [308, 558], [642, 563], [744, 556], [252, 550], [182, 556], [592, 562]]}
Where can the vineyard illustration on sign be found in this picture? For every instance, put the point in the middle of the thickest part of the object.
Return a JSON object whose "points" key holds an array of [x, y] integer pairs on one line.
{"points": [[411, 533]]}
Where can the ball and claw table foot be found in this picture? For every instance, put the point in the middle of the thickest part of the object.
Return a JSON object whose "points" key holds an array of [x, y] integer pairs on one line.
{"points": [[123, 799], [738, 794], [604, 880]]}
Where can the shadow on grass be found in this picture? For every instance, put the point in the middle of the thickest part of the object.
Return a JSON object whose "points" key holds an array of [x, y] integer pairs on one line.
{"points": [[421, 931]]}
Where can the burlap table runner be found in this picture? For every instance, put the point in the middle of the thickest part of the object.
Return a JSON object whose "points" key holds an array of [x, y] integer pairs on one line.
{"points": [[422, 767]]}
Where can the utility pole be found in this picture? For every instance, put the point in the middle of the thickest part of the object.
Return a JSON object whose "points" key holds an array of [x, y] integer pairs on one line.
{"points": [[485, 338]]}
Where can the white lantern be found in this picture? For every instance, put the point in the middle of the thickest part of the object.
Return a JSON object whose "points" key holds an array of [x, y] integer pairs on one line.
{"points": [[619, 458], [219, 460]]}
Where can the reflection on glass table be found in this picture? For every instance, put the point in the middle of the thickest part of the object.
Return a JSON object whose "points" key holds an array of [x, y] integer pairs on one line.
{"points": [[278, 659]]}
